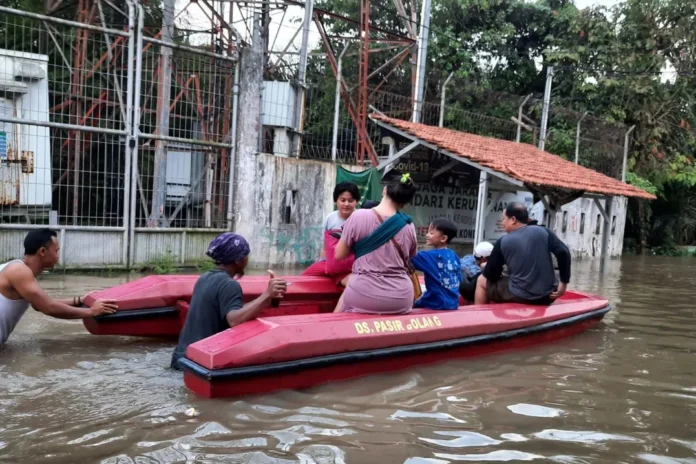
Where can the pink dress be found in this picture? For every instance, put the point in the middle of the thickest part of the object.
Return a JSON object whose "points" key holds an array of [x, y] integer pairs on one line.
{"points": [[380, 283]]}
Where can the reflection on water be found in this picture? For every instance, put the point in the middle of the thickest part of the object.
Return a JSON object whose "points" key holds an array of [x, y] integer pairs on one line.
{"points": [[623, 392]]}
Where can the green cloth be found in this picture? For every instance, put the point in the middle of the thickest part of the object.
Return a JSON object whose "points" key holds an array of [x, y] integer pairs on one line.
{"points": [[381, 235], [368, 181]]}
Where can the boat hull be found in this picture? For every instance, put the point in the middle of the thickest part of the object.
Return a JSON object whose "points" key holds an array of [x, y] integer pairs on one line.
{"points": [[303, 343], [296, 374]]}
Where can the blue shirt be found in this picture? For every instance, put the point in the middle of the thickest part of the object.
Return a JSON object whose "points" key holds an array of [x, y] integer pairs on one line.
{"points": [[442, 272], [469, 266]]}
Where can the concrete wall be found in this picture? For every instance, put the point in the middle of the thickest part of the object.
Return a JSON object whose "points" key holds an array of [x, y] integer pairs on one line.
{"points": [[282, 205], [101, 248], [587, 243], [271, 184]]}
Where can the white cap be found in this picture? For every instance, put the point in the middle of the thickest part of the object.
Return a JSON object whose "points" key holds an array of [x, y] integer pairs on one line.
{"points": [[483, 250]]}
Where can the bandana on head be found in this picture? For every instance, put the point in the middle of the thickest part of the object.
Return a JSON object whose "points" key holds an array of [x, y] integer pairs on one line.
{"points": [[228, 248]]}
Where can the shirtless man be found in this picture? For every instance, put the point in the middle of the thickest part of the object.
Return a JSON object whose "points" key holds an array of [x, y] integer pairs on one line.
{"points": [[19, 288]]}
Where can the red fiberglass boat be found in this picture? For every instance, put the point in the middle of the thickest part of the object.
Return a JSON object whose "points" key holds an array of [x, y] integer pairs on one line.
{"points": [[302, 343]]}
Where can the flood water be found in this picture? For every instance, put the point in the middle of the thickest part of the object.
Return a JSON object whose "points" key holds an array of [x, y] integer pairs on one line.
{"points": [[624, 392]]}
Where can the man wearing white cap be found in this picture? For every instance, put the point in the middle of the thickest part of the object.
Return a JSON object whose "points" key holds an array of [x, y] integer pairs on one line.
{"points": [[472, 265]]}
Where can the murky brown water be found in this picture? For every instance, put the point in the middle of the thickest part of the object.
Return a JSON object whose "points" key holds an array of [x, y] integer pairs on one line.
{"points": [[624, 392]]}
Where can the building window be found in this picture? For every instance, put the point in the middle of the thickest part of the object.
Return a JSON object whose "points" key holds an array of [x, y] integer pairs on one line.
{"points": [[613, 225], [564, 227], [598, 229], [290, 203], [582, 223]]}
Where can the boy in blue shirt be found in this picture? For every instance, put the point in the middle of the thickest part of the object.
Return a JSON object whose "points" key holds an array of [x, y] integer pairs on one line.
{"points": [[440, 266]]}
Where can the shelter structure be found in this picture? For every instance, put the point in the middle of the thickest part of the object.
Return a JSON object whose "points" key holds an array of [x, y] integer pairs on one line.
{"points": [[505, 166]]}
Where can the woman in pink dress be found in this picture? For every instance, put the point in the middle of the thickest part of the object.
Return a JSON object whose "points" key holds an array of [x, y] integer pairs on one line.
{"points": [[379, 283]]}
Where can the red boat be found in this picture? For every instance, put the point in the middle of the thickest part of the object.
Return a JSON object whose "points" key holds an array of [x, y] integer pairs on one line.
{"points": [[301, 343], [156, 306]]}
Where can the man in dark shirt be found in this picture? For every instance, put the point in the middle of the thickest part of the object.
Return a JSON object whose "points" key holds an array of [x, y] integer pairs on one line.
{"points": [[526, 250], [216, 303]]}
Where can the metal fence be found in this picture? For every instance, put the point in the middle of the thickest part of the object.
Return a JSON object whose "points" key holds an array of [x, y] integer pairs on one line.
{"points": [[323, 130], [330, 135], [114, 133], [116, 130]]}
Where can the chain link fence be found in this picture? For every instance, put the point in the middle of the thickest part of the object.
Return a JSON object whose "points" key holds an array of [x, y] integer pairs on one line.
{"points": [[115, 133]]}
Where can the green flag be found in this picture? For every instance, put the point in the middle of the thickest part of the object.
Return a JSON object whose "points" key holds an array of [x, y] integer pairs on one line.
{"points": [[368, 181]]}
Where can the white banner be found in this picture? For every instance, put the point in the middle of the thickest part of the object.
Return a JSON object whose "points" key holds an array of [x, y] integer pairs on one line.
{"points": [[459, 206]]}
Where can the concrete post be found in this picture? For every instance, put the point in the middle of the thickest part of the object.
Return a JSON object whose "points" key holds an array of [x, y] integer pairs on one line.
{"points": [[545, 110], [337, 103], [129, 129], [481, 207], [422, 58], [233, 149], [606, 232], [135, 141], [442, 99], [251, 80], [302, 75], [519, 118]]}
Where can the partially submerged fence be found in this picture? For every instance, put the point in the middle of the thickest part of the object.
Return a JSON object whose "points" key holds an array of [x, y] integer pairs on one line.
{"points": [[115, 134]]}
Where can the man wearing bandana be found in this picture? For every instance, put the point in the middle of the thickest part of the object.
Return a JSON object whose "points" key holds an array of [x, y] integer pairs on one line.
{"points": [[216, 303]]}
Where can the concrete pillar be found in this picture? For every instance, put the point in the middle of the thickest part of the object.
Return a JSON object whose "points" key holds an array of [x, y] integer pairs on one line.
{"points": [[481, 207], [251, 80], [606, 231]]}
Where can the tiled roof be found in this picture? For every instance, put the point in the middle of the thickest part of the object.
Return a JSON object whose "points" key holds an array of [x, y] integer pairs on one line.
{"points": [[520, 161]]}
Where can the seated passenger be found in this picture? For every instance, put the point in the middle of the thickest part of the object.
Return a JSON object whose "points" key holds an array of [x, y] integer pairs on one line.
{"points": [[346, 196], [216, 303], [384, 240], [472, 266], [526, 250], [440, 266]]}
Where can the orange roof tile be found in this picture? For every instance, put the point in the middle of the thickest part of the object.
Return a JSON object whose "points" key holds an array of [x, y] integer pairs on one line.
{"points": [[520, 161]]}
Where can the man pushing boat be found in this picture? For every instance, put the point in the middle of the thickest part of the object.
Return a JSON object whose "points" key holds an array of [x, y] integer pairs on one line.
{"points": [[216, 301], [19, 288]]}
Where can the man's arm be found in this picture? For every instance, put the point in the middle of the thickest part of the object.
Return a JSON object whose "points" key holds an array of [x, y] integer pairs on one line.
{"points": [[23, 281], [562, 254], [276, 289], [494, 266], [74, 301]]}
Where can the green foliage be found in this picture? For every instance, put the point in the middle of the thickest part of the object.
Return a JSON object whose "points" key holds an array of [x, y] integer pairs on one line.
{"points": [[165, 264], [638, 181], [205, 265]]}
